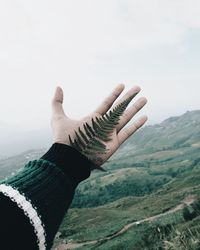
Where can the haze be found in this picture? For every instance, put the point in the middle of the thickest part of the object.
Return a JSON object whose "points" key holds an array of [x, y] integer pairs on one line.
{"points": [[88, 47]]}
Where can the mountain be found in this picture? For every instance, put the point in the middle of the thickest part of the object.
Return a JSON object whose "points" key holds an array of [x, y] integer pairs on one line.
{"points": [[10, 165], [155, 171], [172, 133], [156, 151], [148, 160], [14, 141], [138, 203]]}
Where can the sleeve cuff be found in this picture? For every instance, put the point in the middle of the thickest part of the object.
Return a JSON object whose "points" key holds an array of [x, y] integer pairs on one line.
{"points": [[75, 165]]}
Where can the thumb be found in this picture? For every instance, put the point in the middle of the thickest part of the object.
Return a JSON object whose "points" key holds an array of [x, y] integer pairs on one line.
{"points": [[57, 102]]}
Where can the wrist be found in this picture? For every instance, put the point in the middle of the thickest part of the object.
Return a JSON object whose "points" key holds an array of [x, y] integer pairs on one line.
{"points": [[75, 165]]}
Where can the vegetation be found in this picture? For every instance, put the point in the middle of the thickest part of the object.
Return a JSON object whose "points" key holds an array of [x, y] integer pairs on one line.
{"points": [[90, 140], [153, 179], [157, 172]]}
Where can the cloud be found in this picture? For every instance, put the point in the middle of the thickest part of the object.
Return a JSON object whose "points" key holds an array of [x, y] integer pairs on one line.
{"points": [[83, 29], [83, 43]]}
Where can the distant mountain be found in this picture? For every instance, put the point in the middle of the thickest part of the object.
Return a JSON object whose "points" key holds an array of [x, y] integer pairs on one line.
{"points": [[10, 165], [172, 133], [152, 157], [15, 141], [174, 140], [150, 174], [156, 171]]}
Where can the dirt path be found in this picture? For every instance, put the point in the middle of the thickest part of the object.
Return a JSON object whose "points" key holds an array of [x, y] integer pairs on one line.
{"points": [[73, 245]]}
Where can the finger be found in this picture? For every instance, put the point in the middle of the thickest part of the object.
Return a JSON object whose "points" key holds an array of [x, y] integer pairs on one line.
{"points": [[57, 102], [124, 134], [131, 93], [130, 112], [107, 103]]}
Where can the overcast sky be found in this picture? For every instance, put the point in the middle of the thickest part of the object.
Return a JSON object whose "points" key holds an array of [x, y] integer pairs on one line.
{"points": [[90, 46]]}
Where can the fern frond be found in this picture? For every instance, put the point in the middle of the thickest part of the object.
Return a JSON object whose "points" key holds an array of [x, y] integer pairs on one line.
{"points": [[90, 140]]}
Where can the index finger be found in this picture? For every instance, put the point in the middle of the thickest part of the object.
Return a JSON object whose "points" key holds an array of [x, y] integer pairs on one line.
{"points": [[108, 102]]}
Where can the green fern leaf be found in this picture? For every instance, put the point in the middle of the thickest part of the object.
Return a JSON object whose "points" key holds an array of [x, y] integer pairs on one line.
{"points": [[90, 140]]}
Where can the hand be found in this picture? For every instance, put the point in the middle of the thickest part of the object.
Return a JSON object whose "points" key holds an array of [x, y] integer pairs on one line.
{"points": [[63, 126]]}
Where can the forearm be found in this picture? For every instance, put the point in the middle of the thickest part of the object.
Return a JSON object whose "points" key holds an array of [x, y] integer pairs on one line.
{"points": [[43, 191]]}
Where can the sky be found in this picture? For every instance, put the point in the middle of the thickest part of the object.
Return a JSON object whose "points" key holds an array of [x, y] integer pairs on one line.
{"points": [[88, 47]]}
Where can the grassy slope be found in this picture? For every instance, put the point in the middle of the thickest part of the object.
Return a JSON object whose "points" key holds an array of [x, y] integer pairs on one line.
{"points": [[138, 175], [95, 223], [165, 154], [174, 155], [10, 165], [148, 160]]}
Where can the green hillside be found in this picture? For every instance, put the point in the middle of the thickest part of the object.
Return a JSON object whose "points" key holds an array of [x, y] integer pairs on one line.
{"points": [[148, 182], [10, 165], [148, 160], [96, 223], [156, 171]]}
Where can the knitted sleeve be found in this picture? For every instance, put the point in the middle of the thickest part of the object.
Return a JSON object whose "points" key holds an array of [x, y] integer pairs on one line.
{"points": [[34, 201]]}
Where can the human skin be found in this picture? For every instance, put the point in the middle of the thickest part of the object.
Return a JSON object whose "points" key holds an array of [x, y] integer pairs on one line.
{"points": [[63, 126]]}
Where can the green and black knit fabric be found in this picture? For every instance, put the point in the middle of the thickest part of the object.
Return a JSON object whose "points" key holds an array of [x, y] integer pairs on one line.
{"points": [[44, 190]]}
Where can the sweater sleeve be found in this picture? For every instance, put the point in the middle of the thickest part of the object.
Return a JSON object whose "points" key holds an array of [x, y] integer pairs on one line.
{"points": [[35, 200]]}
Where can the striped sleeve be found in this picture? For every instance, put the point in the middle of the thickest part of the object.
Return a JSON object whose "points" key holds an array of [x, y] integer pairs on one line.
{"points": [[43, 191], [29, 211]]}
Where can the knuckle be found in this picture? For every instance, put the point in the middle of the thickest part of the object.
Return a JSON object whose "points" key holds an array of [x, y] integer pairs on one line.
{"points": [[126, 116], [135, 126], [135, 108], [115, 94], [127, 133], [106, 103]]}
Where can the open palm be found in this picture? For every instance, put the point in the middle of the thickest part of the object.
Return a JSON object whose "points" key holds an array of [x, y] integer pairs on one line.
{"points": [[63, 126]]}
